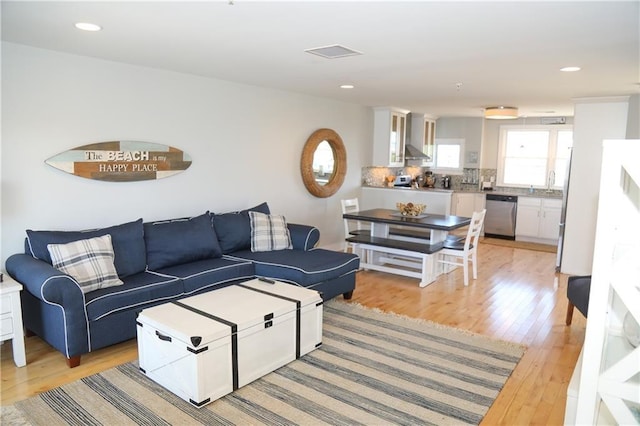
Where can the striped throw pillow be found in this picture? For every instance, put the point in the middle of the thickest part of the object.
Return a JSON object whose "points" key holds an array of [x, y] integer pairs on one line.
{"points": [[269, 232], [89, 262]]}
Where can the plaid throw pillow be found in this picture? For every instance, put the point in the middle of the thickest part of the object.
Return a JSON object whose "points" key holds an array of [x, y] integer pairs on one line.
{"points": [[269, 232], [89, 262]]}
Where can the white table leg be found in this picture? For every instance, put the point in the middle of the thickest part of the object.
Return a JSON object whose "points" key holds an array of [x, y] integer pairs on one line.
{"points": [[438, 236], [377, 230], [17, 343], [429, 274]]}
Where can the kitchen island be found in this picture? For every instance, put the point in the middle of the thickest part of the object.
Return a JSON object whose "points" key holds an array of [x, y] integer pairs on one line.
{"points": [[538, 214], [438, 201]]}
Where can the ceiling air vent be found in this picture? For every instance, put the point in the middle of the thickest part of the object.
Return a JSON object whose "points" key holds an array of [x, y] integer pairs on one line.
{"points": [[553, 120], [334, 51]]}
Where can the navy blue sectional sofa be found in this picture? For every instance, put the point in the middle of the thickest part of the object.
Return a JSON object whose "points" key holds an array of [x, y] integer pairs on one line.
{"points": [[159, 262]]}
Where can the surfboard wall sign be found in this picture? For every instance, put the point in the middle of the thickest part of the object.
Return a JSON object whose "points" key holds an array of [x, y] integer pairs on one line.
{"points": [[122, 161]]}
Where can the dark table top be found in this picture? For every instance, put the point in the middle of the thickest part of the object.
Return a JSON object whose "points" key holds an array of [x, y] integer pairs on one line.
{"points": [[392, 217]]}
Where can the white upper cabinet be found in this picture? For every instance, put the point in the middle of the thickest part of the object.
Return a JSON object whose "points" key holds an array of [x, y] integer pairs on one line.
{"points": [[389, 133], [428, 146]]}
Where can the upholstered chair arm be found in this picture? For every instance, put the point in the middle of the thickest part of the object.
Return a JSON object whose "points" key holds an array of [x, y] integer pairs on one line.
{"points": [[44, 281], [53, 306], [303, 237]]}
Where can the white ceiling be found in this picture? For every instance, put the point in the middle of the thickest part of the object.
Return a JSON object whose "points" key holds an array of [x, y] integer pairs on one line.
{"points": [[414, 53]]}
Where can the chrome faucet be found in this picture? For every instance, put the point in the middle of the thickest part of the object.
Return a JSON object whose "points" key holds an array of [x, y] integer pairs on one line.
{"points": [[550, 180]]}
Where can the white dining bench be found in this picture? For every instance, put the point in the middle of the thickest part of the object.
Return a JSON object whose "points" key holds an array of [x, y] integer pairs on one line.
{"points": [[394, 256]]}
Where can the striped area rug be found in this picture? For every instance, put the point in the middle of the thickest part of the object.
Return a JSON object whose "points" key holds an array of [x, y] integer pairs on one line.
{"points": [[372, 369]]}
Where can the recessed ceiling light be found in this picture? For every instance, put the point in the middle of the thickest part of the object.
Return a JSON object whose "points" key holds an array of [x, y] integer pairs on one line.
{"points": [[87, 26], [570, 69], [347, 86]]}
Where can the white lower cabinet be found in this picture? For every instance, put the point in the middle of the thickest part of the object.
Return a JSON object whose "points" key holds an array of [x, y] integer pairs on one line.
{"points": [[464, 204], [550, 220], [538, 219]]}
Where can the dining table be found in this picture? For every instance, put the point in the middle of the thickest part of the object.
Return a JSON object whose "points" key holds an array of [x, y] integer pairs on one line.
{"points": [[411, 252]]}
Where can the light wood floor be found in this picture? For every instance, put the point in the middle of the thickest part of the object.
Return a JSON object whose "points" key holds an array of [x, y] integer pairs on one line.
{"points": [[517, 297]]}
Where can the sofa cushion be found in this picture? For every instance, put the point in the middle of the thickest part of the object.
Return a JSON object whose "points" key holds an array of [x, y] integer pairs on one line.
{"points": [[234, 229], [137, 292], [210, 273], [127, 240], [177, 241], [300, 267], [269, 232], [89, 262]]}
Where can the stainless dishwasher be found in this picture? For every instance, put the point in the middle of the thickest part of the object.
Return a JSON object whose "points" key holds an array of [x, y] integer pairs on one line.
{"points": [[500, 219]]}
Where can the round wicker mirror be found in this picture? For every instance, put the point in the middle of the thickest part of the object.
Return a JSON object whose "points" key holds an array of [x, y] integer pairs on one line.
{"points": [[318, 182]]}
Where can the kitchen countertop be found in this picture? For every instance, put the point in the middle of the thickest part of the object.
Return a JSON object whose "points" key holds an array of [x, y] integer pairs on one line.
{"points": [[514, 191], [405, 188], [520, 193]]}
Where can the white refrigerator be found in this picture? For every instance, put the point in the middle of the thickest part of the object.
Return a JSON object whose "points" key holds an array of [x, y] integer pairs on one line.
{"points": [[563, 214]]}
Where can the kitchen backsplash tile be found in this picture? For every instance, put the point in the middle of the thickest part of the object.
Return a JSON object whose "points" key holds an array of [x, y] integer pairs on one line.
{"points": [[470, 180], [374, 176]]}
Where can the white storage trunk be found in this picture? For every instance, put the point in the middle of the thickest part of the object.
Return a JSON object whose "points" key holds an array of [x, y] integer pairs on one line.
{"points": [[309, 311], [208, 345], [167, 353]]}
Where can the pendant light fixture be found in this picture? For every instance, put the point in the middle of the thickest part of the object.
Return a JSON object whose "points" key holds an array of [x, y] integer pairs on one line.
{"points": [[501, 113]]}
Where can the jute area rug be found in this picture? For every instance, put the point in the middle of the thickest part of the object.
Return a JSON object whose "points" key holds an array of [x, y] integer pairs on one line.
{"points": [[372, 369]]}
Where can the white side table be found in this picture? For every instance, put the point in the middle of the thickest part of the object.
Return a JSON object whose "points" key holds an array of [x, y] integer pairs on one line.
{"points": [[11, 318]]}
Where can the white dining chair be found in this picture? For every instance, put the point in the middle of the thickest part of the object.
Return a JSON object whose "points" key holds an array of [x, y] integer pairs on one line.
{"points": [[352, 227], [464, 251]]}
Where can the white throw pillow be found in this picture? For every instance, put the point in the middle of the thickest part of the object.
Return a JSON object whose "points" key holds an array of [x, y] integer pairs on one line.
{"points": [[89, 262], [269, 232]]}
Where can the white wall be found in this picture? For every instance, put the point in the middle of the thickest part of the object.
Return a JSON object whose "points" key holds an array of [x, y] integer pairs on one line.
{"points": [[595, 119], [245, 143], [633, 121], [467, 128]]}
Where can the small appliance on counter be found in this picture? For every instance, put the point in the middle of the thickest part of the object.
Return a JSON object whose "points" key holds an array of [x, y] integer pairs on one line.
{"points": [[487, 186], [429, 180], [403, 180], [446, 182]]}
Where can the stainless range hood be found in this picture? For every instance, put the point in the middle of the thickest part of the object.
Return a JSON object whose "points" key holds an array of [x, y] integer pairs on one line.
{"points": [[413, 153]]}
